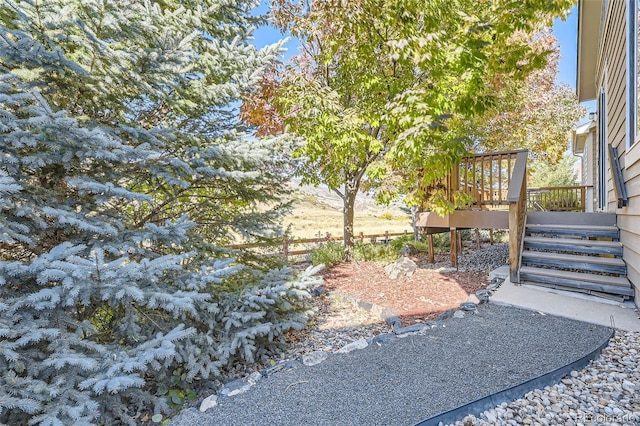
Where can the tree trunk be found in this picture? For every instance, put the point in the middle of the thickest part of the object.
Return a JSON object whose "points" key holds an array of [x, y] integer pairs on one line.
{"points": [[349, 203]]}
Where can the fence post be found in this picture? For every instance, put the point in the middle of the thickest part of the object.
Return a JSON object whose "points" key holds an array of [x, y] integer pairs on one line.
{"points": [[361, 237], [285, 247], [386, 237]]}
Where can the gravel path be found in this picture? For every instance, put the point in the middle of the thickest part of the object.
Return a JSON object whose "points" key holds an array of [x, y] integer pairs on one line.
{"points": [[607, 392], [402, 381]]}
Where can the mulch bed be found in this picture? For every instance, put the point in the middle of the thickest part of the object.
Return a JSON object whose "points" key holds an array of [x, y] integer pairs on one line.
{"points": [[422, 297]]}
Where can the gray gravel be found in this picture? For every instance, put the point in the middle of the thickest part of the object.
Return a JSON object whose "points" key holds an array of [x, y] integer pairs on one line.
{"points": [[412, 378]]}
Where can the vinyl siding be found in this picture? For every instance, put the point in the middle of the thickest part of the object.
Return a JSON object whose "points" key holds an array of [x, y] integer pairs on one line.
{"points": [[613, 75]]}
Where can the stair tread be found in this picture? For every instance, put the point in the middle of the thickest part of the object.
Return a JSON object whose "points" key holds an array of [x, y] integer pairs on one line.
{"points": [[574, 227], [574, 241], [613, 261], [578, 276]]}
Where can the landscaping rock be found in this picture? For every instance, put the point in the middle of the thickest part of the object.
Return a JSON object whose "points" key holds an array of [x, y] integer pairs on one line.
{"points": [[403, 267], [284, 365], [254, 377], [483, 296], [385, 339], [358, 344], [314, 358], [458, 314], [468, 307], [410, 329], [445, 315], [367, 306], [409, 250], [235, 388], [209, 402], [320, 290], [393, 322]]}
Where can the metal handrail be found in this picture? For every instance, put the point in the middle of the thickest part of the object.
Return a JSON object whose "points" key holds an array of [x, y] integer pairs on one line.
{"points": [[619, 187]]}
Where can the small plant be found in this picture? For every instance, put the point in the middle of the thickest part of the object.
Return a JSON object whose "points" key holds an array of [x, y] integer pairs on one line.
{"points": [[400, 242], [328, 254], [375, 252], [386, 216]]}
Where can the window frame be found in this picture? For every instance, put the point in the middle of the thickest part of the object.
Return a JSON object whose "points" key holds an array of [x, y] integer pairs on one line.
{"points": [[633, 135], [603, 155]]}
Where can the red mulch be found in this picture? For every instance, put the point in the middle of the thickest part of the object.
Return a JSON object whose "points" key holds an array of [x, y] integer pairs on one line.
{"points": [[419, 298]]}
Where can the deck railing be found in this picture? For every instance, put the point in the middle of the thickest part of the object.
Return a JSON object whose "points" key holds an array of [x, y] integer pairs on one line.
{"points": [[557, 199], [486, 177]]}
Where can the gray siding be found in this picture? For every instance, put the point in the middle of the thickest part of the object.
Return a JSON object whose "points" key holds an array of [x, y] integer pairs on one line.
{"points": [[613, 76]]}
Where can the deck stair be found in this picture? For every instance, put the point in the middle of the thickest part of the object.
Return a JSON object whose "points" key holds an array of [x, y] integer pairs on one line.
{"points": [[575, 251]]}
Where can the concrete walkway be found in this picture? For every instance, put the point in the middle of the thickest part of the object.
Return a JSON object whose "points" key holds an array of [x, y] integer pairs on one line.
{"points": [[567, 304]]}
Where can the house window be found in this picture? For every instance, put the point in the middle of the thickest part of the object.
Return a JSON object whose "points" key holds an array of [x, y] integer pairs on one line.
{"points": [[634, 81], [602, 151]]}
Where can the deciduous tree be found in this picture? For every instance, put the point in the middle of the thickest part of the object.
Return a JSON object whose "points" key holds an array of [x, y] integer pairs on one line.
{"points": [[383, 85]]}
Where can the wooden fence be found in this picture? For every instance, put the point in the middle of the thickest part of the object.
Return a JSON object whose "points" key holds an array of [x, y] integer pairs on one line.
{"points": [[288, 242]]}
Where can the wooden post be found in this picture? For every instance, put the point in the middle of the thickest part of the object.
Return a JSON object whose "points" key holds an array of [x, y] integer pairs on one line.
{"points": [[491, 240], [477, 239], [361, 237], [453, 236], [459, 243], [386, 237], [517, 213], [432, 258], [285, 247]]}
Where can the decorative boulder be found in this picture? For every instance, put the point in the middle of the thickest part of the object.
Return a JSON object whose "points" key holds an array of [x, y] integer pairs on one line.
{"points": [[409, 250], [403, 267]]}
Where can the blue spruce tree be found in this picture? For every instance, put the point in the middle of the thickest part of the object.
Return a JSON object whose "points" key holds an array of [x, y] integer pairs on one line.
{"points": [[123, 175]]}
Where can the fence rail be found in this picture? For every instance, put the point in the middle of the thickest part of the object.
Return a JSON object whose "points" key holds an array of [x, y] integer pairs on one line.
{"points": [[288, 242]]}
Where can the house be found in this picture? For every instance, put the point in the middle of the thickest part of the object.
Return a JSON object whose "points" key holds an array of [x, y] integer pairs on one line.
{"points": [[584, 145], [584, 238], [610, 145]]}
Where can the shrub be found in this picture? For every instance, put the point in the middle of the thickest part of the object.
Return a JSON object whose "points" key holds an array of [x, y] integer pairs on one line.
{"points": [[328, 254]]}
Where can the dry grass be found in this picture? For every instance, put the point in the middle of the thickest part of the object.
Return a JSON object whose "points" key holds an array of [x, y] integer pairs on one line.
{"points": [[313, 217]]}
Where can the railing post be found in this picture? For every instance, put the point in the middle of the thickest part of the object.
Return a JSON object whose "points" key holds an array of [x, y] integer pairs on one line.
{"points": [[517, 198]]}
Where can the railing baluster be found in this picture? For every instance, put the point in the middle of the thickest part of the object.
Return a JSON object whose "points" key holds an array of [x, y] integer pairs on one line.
{"points": [[500, 179]]}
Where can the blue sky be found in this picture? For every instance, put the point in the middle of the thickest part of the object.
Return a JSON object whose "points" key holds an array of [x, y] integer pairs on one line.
{"points": [[567, 34]]}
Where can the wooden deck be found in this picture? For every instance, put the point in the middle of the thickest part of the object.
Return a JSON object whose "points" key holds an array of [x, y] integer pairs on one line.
{"points": [[564, 248]]}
